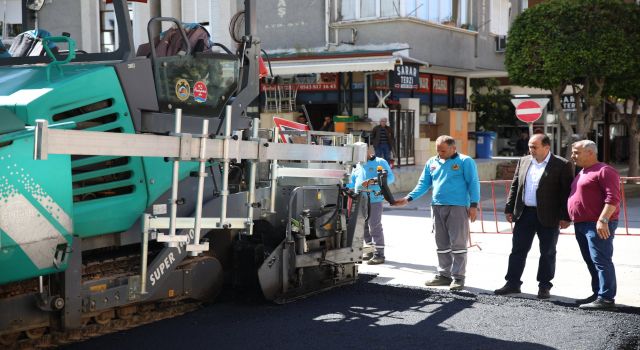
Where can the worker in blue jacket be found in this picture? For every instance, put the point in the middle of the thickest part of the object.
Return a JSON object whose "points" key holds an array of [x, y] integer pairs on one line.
{"points": [[363, 177], [456, 193]]}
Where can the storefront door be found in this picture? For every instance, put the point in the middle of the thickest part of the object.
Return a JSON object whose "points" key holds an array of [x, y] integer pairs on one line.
{"points": [[402, 123]]}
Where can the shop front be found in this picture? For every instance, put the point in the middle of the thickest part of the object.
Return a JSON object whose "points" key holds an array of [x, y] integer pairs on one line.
{"points": [[347, 86]]}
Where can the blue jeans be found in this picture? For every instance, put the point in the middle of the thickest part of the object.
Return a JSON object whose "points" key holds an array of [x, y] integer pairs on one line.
{"points": [[524, 230], [597, 253], [383, 150]]}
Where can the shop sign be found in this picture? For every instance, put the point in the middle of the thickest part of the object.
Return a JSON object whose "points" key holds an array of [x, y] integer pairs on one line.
{"points": [[460, 85], [323, 86], [569, 103], [405, 77], [323, 82], [315, 82], [379, 81], [423, 83], [440, 84]]}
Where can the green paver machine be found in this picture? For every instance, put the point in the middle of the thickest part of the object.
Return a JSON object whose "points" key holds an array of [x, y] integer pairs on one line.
{"points": [[134, 188]]}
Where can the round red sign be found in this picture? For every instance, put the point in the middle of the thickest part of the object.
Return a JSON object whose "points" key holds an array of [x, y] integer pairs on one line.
{"points": [[528, 111]]}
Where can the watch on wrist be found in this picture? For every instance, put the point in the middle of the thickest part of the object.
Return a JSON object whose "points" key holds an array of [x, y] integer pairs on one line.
{"points": [[604, 220]]}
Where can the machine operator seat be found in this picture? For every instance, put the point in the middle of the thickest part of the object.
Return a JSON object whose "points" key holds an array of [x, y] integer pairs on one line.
{"points": [[170, 42], [200, 82]]}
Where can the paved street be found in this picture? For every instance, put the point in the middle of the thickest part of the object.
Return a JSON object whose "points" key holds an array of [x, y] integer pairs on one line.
{"points": [[411, 257], [390, 309], [377, 316]]}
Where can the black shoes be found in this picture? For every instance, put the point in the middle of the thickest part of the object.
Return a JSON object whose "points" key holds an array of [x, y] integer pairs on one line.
{"points": [[544, 293], [588, 300], [507, 289], [599, 304]]}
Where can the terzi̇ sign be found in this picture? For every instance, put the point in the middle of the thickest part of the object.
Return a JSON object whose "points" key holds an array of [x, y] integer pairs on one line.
{"points": [[405, 77]]}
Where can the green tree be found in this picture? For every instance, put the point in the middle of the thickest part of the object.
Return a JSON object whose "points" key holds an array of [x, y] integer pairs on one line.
{"points": [[492, 104], [535, 56], [577, 43], [625, 89]]}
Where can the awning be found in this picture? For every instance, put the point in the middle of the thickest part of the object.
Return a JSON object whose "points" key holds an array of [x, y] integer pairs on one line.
{"points": [[338, 65]]}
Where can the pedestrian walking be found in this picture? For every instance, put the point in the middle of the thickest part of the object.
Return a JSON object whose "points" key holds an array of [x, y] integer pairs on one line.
{"points": [[455, 197], [537, 204], [522, 145], [363, 177], [382, 139], [594, 206]]}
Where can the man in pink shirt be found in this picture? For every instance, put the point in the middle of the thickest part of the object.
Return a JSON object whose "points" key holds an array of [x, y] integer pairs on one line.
{"points": [[594, 205]]}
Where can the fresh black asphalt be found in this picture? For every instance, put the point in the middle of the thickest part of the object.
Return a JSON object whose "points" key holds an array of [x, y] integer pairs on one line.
{"points": [[368, 315]]}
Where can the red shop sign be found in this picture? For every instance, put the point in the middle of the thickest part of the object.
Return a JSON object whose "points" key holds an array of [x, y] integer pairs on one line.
{"points": [[423, 85], [440, 84]]}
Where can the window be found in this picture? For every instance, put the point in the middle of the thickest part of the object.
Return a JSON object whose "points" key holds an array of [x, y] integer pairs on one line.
{"points": [[368, 8], [465, 15], [365, 9], [107, 28], [196, 12], [439, 11], [348, 9], [10, 19], [499, 16], [390, 8], [417, 8], [451, 12]]}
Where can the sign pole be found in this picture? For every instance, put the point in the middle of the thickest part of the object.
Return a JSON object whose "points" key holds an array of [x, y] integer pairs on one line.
{"points": [[544, 121], [530, 129]]}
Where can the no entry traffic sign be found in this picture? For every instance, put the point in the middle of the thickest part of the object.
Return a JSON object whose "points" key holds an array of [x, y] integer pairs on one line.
{"points": [[529, 110]]}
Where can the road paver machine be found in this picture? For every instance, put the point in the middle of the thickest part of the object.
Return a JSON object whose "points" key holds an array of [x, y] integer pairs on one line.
{"points": [[135, 188]]}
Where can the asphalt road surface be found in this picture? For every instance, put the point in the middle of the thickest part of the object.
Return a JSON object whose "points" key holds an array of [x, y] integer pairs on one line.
{"points": [[372, 316]]}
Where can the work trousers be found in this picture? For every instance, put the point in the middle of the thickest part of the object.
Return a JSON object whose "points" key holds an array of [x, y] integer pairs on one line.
{"points": [[373, 234], [451, 228]]}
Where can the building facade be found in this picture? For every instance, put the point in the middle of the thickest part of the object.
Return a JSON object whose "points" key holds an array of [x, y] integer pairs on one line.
{"points": [[432, 47]]}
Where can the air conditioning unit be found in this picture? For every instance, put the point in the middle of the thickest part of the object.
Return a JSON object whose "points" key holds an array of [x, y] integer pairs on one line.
{"points": [[501, 43]]}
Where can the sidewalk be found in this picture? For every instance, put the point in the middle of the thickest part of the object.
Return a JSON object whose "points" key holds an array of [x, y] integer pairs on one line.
{"points": [[411, 257]]}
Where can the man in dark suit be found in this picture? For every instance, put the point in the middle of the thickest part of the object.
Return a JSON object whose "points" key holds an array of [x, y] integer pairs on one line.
{"points": [[537, 204]]}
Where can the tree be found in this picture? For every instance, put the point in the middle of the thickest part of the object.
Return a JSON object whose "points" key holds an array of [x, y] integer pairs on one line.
{"points": [[577, 43], [535, 56], [493, 106], [625, 89]]}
